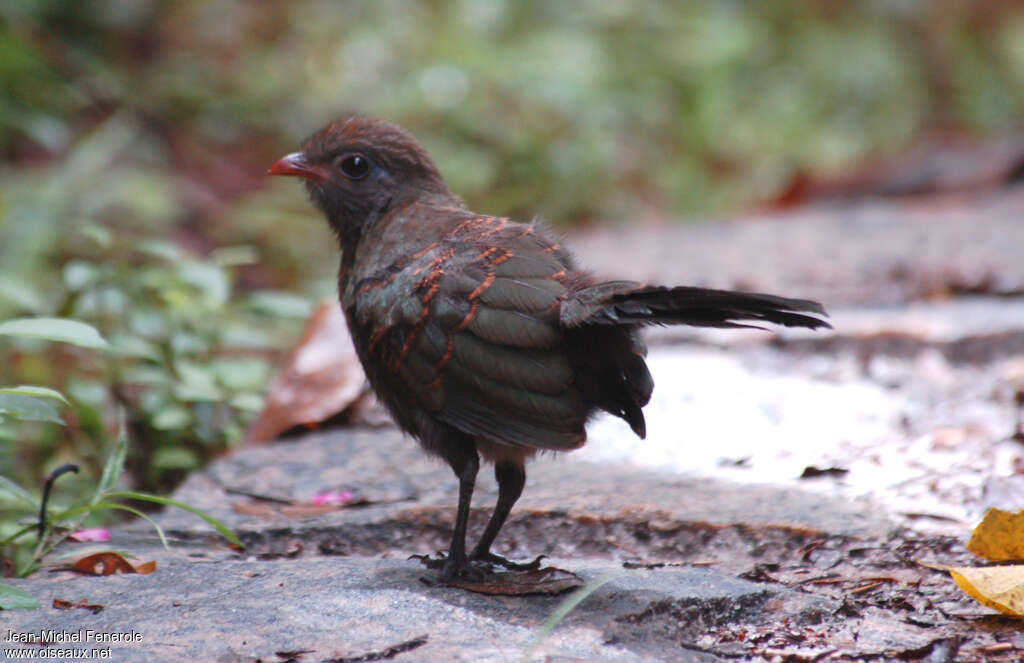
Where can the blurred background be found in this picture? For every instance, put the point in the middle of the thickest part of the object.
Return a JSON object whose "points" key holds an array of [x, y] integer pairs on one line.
{"points": [[135, 137]]}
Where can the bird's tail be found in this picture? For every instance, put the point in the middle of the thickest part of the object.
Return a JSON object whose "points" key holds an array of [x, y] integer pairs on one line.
{"points": [[629, 303]]}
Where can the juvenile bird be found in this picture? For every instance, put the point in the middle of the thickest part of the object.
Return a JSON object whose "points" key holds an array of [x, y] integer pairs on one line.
{"points": [[480, 335]]}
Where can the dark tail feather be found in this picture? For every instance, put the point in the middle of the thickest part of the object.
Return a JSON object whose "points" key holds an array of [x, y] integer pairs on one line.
{"points": [[626, 303]]}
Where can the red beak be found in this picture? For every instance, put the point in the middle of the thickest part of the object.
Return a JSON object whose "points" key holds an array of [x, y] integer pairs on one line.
{"points": [[295, 165]]}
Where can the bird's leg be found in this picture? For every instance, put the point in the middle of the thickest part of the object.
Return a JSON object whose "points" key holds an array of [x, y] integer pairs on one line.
{"points": [[511, 477], [465, 463]]}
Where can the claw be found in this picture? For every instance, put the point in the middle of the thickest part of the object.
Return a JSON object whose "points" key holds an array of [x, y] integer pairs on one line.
{"points": [[452, 570], [498, 560], [435, 562]]}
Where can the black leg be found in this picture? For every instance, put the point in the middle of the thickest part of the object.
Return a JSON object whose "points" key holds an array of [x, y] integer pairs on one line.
{"points": [[511, 477], [465, 462]]}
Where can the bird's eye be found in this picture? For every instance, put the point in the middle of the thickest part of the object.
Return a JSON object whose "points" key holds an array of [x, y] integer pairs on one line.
{"points": [[354, 166]]}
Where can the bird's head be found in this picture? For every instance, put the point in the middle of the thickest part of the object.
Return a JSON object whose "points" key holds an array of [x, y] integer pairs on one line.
{"points": [[358, 168]]}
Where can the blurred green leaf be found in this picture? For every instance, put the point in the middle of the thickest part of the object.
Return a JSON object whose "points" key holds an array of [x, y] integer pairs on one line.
{"points": [[98, 234], [21, 294], [79, 273], [198, 382], [248, 402], [146, 375], [284, 304], [114, 466], [233, 256], [160, 248], [39, 392], [129, 345], [185, 343], [29, 408], [247, 336], [103, 300], [54, 329], [17, 491], [175, 458], [171, 418], [241, 374], [210, 279]]}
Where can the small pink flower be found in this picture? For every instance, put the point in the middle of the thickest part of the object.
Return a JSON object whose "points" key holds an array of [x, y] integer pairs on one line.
{"points": [[333, 497], [94, 534]]}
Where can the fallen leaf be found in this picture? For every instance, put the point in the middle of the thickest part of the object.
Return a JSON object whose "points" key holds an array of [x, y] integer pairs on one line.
{"points": [[62, 604], [548, 580], [261, 509], [306, 509], [382, 655], [108, 563], [320, 379], [998, 587], [999, 537], [293, 654], [811, 472]]}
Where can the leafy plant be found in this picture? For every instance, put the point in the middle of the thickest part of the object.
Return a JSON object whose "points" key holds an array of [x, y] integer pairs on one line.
{"points": [[36, 404], [54, 524], [187, 359]]}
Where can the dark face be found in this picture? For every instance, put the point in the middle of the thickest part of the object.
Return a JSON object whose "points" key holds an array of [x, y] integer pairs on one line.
{"points": [[358, 168]]}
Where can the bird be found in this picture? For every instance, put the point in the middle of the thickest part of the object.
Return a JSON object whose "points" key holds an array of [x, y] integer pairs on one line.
{"points": [[482, 336]]}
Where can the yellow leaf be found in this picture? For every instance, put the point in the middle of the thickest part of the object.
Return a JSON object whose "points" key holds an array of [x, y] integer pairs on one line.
{"points": [[999, 537], [999, 587]]}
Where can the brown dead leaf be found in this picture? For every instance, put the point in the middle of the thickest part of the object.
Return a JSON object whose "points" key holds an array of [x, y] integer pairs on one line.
{"points": [[320, 378], [108, 563], [306, 509], [63, 604], [811, 472], [999, 537], [264, 510], [548, 580], [250, 508], [998, 587]]}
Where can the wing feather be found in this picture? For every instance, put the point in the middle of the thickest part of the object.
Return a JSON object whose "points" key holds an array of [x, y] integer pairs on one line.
{"points": [[473, 338]]}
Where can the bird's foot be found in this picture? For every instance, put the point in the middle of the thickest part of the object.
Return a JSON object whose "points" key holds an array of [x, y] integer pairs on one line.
{"points": [[498, 560], [453, 569], [481, 575]]}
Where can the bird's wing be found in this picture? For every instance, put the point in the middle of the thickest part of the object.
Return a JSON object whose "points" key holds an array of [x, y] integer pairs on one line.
{"points": [[469, 331]]}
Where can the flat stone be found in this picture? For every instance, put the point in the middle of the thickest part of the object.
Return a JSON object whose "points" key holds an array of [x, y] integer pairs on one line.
{"points": [[348, 607]]}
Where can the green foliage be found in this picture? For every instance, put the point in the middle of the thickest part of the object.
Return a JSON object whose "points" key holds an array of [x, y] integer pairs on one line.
{"points": [[26, 547], [54, 329], [185, 354], [32, 403], [580, 109]]}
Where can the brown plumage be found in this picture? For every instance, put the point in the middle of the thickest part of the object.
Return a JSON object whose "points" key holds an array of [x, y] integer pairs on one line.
{"points": [[480, 335]]}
